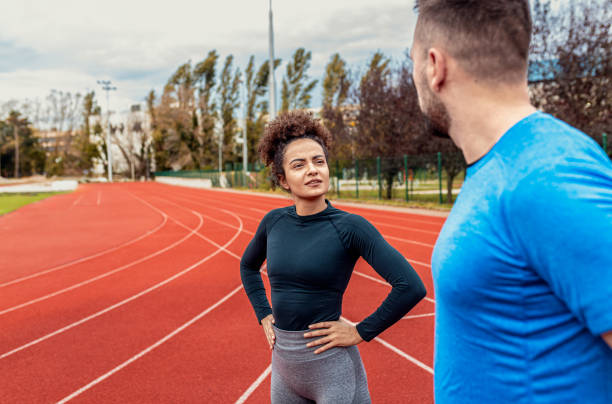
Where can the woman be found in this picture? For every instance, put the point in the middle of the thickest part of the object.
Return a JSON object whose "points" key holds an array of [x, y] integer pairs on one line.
{"points": [[311, 249]]}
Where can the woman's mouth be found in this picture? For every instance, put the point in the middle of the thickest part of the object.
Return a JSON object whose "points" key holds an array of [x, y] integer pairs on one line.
{"points": [[314, 183]]}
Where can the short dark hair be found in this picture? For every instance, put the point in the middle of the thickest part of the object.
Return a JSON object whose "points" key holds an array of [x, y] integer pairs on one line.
{"points": [[286, 128], [489, 38]]}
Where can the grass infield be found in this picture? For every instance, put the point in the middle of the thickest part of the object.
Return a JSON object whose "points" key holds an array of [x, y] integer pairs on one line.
{"points": [[10, 202]]}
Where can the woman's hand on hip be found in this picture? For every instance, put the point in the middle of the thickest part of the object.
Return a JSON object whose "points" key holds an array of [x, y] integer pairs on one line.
{"points": [[266, 323], [332, 333]]}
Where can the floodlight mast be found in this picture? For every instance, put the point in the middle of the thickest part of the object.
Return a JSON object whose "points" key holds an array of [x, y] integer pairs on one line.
{"points": [[106, 86], [272, 83]]}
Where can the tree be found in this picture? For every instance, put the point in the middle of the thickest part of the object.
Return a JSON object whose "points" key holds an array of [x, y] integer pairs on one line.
{"points": [[228, 93], [20, 152], [160, 155], [64, 115], [570, 67], [256, 86], [87, 150], [296, 88], [387, 119], [338, 117], [186, 121], [205, 80], [175, 122]]}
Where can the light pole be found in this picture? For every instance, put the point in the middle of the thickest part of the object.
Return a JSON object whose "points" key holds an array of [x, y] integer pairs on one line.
{"points": [[245, 159], [272, 83], [220, 132], [16, 148], [106, 86]]}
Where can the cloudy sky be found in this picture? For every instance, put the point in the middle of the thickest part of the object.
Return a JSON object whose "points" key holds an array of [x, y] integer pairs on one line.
{"points": [[68, 45]]}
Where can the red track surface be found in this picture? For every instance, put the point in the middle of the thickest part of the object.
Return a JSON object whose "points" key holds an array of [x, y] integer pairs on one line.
{"points": [[132, 293]]}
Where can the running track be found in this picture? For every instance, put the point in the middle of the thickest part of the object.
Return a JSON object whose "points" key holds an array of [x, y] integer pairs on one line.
{"points": [[132, 293]]}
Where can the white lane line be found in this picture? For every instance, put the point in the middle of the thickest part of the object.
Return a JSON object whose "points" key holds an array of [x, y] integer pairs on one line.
{"points": [[390, 237], [129, 299], [99, 198], [89, 257], [384, 283], [372, 221], [254, 386], [418, 316], [404, 227], [418, 262], [258, 210], [354, 271], [388, 345], [104, 275], [149, 349], [405, 240], [77, 200], [429, 299], [212, 220], [398, 351], [377, 211], [200, 235]]}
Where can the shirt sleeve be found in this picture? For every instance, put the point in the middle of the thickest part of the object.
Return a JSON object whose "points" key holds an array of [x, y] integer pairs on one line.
{"points": [[407, 288], [250, 265], [562, 219]]}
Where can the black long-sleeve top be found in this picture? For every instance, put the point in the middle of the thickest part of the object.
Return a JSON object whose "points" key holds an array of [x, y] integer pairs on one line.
{"points": [[310, 260]]}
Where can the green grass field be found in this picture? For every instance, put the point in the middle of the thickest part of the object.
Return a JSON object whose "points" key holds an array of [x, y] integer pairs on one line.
{"points": [[10, 202]]}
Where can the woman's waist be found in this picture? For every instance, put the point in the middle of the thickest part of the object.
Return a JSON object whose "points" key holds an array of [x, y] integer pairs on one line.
{"points": [[291, 345]]}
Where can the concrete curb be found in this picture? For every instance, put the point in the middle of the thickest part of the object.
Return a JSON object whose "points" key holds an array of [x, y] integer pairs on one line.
{"points": [[418, 211]]}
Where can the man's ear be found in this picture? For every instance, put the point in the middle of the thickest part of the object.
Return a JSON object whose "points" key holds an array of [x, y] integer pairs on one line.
{"points": [[437, 64]]}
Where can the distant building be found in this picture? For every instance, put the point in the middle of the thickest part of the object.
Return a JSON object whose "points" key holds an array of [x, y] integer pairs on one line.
{"points": [[53, 140]]}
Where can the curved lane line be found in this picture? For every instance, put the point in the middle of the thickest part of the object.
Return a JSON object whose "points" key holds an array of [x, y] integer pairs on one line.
{"points": [[398, 351], [429, 299], [140, 294], [384, 343], [149, 349], [104, 275], [255, 385], [87, 258], [418, 316], [405, 240], [354, 271]]}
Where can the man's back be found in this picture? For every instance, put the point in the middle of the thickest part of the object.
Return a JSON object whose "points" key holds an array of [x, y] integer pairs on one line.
{"points": [[523, 272]]}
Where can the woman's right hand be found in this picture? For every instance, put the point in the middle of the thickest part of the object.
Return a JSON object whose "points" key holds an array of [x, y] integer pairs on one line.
{"points": [[266, 323]]}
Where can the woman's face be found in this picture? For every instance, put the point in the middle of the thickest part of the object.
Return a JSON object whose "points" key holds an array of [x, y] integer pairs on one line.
{"points": [[306, 170]]}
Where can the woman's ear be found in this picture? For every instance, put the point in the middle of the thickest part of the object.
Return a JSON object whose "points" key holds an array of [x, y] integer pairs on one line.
{"points": [[283, 182]]}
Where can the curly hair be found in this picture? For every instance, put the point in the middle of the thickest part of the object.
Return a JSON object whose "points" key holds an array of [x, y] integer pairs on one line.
{"points": [[286, 128]]}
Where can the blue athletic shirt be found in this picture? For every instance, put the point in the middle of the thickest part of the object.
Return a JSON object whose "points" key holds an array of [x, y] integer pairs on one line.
{"points": [[523, 273], [310, 260]]}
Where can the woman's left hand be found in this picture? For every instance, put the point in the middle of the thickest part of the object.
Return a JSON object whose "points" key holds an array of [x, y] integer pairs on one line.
{"points": [[333, 333]]}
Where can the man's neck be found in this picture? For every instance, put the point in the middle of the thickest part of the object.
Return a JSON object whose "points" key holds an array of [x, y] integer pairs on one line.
{"points": [[481, 116]]}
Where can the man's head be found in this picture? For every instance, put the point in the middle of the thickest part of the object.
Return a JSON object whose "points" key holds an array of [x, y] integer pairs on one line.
{"points": [[488, 40]]}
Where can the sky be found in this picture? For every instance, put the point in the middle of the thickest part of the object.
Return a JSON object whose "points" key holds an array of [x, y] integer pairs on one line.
{"points": [[68, 45]]}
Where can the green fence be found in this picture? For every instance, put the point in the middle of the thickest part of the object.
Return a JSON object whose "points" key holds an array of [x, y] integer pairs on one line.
{"points": [[409, 177], [421, 178]]}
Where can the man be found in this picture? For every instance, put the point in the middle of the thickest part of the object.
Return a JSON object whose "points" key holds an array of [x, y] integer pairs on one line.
{"points": [[523, 266]]}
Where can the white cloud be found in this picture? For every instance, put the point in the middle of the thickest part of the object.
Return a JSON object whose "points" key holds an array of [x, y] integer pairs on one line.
{"points": [[68, 44]]}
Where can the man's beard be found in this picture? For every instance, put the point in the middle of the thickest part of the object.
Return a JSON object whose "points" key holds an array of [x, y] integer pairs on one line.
{"points": [[435, 115]]}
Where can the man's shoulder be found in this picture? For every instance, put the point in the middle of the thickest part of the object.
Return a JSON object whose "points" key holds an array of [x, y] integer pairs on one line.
{"points": [[545, 140], [554, 162]]}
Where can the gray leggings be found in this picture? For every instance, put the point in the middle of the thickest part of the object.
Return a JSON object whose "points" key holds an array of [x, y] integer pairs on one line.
{"points": [[299, 376]]}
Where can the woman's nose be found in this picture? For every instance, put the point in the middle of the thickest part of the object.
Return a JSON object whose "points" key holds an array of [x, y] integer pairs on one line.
{"points": [[312, 168]]}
